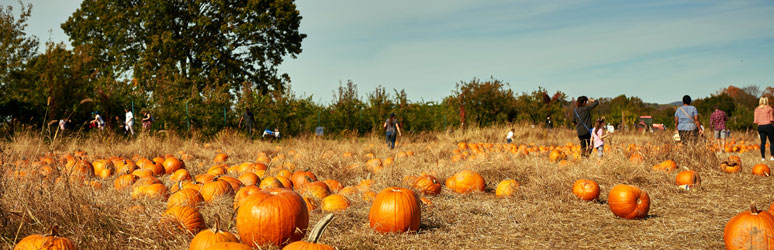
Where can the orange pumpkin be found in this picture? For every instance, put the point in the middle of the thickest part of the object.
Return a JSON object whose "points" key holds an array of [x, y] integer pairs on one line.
{"points": [[688, 179], [244, 193], [311, 205], [586, 190], [234, 182], [750, 230], [466, 181], [628, 202], [49, 241], [229, 246], [427, 184], [172, 164], [314, 237], [249, 179], [334, 203], [299, 178], [556, 156], [150, 191], [206, 238], [216, 189], [506, 188], [317, 190], [286, 182], [395, 210], [220, 158], [180, 175], [185, 218], [334, 185], [275, 216], [124, 181], [270, 182], [666, 166], [185, 197], [730, 167], [761, 169]]}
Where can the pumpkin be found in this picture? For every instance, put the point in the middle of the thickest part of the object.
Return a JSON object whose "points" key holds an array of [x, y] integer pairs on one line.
{"points": [[270, 182], [636, 158], [586, 190], [284, 173], [229, 246], [736, 159], [666, 166], [216, 189], [334, 185], [506, 188], [275, 216], [317, 190], [688, 179], [244, 193], [750, 230], [556, 156], [427, 184], [369, 196], [365, 185], [395, 209], [285, 182], [311, 205], [234, 182], [348, 191], [206, 238], [180, 175], [249, 179], [220, 158], [49, 241], [761, 169], [628, 202], [299, 178], [150, 191], [186, 197], [334, 203], [204, 178], [124, 181], [314, 237], [466, 181], [184, 218], [172, 164], [730, 167], [218, 170]]}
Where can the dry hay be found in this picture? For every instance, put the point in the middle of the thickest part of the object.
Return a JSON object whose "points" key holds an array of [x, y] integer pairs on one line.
{"points": [[543, 215]]}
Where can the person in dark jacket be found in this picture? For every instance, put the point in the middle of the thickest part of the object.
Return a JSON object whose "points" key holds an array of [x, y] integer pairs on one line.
{"points": [[581, 117]]}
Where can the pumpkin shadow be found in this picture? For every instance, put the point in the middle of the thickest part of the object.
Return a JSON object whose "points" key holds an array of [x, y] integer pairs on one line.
{"points": [[427, 228], [601, 202], [649, 216]]}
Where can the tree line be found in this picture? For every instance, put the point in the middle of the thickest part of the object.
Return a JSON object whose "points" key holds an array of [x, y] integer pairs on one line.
{"points": [[196, 65]]}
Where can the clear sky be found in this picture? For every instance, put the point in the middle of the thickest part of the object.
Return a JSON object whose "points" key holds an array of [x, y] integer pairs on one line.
{"points": [[657, 50]]}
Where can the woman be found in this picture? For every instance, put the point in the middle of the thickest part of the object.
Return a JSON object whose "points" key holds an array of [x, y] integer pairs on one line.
{"points": [[764, 115], [582, 120], [687, 121], [146, 121], [391, 126]]}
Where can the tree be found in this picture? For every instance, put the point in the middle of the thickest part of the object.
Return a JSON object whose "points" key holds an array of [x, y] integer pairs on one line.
{"points": [[16, 50], [195, 42], [486, 102]]}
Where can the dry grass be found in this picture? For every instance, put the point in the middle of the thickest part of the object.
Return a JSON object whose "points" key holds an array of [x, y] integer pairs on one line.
{"points": [[543, 215]]}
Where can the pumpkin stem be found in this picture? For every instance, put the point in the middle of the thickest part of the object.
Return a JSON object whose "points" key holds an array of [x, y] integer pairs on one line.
{"points": [[753, 210], [217, 224], [368, 177], [318, 229]]}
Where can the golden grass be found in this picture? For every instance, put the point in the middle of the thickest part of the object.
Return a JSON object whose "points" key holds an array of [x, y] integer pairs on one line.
{"points": [[543, 215]]}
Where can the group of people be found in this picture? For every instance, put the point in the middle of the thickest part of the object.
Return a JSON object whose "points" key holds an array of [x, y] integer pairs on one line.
{"points": [[687, 124], [249, 121], [128, 125]]}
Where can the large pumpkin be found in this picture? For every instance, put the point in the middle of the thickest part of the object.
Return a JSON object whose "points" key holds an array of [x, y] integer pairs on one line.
{"points": [[49, 241], [750, 230], [688, 179], [314, 236], [506, 188], [395, 210], [275, 216], [206, 238], [628, 202], [466, 181], [587, 190], [243, 193], [761, 169]]}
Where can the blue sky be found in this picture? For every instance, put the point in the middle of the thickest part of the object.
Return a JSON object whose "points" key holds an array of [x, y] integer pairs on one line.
{"points": [[657, 50]]}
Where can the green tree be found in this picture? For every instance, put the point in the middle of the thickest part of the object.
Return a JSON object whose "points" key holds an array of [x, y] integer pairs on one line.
{"points": [[16, 50], [485, 102]]}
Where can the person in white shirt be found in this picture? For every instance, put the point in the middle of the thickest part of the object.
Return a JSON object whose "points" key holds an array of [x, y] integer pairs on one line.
{"points": [[98, 121], [129, 121], [509, 137]]}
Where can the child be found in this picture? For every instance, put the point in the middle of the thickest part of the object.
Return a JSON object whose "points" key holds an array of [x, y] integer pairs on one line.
{"points": [[598, 135], [509, 137]]}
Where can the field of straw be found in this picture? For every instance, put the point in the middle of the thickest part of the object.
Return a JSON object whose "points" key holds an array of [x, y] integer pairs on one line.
{"points": [[544, 214]]}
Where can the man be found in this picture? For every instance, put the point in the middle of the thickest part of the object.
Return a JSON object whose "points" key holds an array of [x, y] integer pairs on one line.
{"points": [[391, 126], [549, 123], [129, 121], [247, 117], [718, 121]]}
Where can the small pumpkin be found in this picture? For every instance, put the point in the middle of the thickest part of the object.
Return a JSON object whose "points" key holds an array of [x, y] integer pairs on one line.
{"points": [[206, 238], [184, 217], [666, 166], [124, 181], [466, 181], [270, 182], [506, 188], [317, 189], [249, 179], [334, 185], [688, 179], [311, 205], [299, 178], [229, 246], [314, 237], [587, 190], [730, 167], [180, 175], [216, 189], [220, 158], [750, 230], [49, 241], [150, 191], [628, 202], [186, 197], [761, 169], [427, 184], [395, 209], [334, 203], [172, 164]]}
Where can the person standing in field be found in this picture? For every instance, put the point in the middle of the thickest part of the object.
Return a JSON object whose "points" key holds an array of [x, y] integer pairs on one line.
{"points": [[718, 123], [249, 120], [509, 137], [598, 135], [549, 123], [687, 121], [582, 120], [98, 121], [128, 125], [391, 126], [764, 116], [146, 121]]}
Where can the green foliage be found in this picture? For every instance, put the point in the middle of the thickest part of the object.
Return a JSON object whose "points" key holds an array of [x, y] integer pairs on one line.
{"points": [[16, 50], [484, 103]]}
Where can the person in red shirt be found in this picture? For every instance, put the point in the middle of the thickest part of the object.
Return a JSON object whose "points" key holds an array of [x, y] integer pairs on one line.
{"points": [[718, 123], [764, 115]]}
